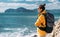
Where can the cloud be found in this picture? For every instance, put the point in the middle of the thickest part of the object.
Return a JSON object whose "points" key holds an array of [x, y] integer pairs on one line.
{"points": [[4, 6], [20, 0], [55, 5], [17, 0], [34, 0], [14, 0], [53, 0]]}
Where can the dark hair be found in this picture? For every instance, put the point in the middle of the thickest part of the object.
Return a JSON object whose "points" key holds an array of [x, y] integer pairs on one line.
{"points": [[42, 7]]}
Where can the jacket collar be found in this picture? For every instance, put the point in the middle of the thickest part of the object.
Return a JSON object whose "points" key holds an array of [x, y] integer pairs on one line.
{"points": [[44, 12]]}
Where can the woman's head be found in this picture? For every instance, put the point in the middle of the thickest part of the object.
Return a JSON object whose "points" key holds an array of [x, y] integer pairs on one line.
{"points": [[41, 8]]}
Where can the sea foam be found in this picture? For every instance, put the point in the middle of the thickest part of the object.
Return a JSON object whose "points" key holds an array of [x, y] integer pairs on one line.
{"points": [[20, 32]]}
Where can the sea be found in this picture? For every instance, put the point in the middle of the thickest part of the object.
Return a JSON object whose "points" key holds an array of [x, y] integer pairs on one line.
{"points": [[20, 25]]}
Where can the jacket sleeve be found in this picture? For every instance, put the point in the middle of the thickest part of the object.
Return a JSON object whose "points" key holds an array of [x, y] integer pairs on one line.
{"points": [[40, 21]]}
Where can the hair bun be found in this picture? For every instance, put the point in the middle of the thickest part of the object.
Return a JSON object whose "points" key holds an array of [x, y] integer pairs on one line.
{"points": [[44, 5]]}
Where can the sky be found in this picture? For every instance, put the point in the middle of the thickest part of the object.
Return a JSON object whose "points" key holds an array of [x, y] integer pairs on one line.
{"points": [[28, 4]]}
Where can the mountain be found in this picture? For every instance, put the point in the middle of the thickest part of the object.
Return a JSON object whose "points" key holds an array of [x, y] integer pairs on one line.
{"points": [[21, 11], [10, 10], [24, 11]]}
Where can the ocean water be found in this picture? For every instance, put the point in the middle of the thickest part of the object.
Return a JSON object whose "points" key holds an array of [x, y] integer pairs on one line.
{"points": [[19, 26]]}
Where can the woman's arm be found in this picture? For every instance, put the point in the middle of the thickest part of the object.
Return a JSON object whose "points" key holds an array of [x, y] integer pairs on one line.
{"points": [[40, 21]]}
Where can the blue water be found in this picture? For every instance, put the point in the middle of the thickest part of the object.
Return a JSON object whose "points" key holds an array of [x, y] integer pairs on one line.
{"points": [[20, 24]]}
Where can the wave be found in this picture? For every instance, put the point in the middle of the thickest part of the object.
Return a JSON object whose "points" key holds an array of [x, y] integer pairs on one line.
{"points": [[17, 32], [26, 32]]}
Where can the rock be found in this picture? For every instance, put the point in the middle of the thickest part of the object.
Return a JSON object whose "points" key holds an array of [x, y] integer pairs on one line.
{"points": [[35, 36], [56, 31]]}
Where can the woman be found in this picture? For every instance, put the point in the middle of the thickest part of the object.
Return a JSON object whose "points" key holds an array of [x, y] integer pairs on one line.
{"points": [[40, 21]]}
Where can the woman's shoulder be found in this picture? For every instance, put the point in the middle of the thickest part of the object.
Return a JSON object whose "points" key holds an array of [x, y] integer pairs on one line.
{"points": [[41, 16]]}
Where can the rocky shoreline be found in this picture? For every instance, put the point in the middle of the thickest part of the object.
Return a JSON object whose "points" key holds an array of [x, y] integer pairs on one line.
{"points": [[56, 30]]}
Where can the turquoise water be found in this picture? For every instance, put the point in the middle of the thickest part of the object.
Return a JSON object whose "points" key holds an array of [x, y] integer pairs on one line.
{"points": [[11, 25]]}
